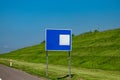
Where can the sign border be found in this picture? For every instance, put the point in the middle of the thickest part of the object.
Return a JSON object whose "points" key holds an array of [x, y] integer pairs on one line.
{"points": [[57, 29]]}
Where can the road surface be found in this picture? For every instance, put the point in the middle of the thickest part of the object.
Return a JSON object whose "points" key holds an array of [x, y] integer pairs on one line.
{"points": [[7, 73]]}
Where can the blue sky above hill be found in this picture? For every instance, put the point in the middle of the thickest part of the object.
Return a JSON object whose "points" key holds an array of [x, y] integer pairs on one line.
{"points": [[23, 22]]}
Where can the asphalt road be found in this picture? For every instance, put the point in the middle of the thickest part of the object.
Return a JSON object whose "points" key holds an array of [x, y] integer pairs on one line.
{"points": [[7, 73]]}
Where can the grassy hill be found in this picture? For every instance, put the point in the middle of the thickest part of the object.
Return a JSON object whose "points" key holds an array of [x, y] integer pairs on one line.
{"points": [[91, 50]]}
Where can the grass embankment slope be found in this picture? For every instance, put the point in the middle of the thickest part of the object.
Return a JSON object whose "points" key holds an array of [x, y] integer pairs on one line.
{"points": [[91, 50]]}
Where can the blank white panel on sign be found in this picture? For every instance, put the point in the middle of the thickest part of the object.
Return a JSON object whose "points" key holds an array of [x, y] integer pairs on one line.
{"points": [[64, 40]]}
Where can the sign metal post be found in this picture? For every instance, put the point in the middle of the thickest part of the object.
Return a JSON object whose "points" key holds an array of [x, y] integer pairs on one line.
{"points": [[46, 63], [69, 64]]}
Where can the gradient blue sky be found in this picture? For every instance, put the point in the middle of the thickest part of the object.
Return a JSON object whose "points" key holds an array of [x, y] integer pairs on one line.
{"points": [[23, 22]]}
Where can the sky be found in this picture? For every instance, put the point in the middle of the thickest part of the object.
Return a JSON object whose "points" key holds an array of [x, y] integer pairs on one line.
{"points": [[23, 22]]}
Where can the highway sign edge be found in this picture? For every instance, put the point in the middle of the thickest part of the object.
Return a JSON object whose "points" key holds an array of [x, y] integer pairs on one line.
{"points": [[57, 29]]}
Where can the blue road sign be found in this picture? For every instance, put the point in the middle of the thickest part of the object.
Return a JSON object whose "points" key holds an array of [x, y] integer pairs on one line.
{"points": [[58, 40]]}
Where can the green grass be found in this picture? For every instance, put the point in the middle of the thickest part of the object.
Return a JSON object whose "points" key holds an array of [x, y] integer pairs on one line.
{"points": [[91, 50], [57, 71]]}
